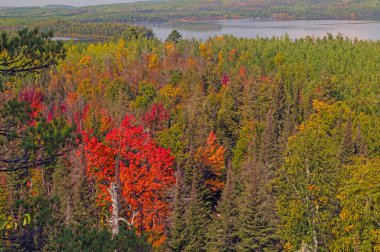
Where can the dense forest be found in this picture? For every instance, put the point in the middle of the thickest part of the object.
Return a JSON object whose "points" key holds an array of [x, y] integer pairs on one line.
{"points": [[191, 10], [96, 31], [223, 145]]}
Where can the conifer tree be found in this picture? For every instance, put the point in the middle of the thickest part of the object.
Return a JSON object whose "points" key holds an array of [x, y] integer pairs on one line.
{"points": [[176, 237], [254, 232], [360, 144], [223, 230], [280, 110], [197, 215]]}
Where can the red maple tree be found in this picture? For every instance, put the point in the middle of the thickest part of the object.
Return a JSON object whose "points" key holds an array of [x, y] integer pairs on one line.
{"points": [[131, 159]]}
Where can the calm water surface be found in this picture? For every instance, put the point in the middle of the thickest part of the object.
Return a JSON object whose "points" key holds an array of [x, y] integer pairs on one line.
{"points": [[252, 28]]}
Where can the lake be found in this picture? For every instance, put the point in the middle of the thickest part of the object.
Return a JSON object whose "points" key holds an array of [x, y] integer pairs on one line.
{"points": [[249, 28]]}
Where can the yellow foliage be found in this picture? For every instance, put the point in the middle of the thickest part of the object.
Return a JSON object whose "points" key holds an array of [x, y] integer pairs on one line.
{"points": [[323, 200], [220, 38], [319, 105], [85, 61], [288, 246], [212, 157], [153, 61], [85, 89], [349, 228], [36, 183], [169, 48], [205, 51], [220, 56], [170, 93], [121, 53], [3, 54]]}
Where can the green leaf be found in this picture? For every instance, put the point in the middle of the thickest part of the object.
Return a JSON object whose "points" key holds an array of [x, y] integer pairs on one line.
{"points": [[4, 225]]}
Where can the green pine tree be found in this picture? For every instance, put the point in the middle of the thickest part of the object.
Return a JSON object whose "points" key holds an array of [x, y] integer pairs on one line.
{"points": [[255, 234], [176, 237], [223, 230], [197, 215]]}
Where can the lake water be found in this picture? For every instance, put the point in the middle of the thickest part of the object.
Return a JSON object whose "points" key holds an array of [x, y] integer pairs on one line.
{"points": [[252, 28]]}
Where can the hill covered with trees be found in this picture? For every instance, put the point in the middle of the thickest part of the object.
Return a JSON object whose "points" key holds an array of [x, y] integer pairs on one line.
{"points": [[181, 10]]}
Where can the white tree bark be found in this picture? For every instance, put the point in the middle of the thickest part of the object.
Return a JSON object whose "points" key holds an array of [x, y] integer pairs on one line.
{"points": [[114, 220]]}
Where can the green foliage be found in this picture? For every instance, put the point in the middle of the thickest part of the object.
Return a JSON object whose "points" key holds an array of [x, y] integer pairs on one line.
{"points": [[177, 239], [28, 51], [304, 171], [228, 119], [86, 238], [254, 232], [160, 11], [40, 224], [222, 232], [53, 136], [174, 37], [197, 216], [146, 95], [174, 139], [137, 32], [310, 178], [242, 147]]}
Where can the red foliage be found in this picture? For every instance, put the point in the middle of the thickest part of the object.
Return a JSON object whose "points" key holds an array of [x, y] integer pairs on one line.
{"points": [[54, 111], [265, 78], [146, 173], [155, 118], [225, 80], [35, 98]]}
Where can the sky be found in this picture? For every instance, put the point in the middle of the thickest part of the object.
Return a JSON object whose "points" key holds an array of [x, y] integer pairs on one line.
{"points": [[19, 3]]}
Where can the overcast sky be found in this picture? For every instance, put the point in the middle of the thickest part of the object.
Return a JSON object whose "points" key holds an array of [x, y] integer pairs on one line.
{"points": [[68, 2]]}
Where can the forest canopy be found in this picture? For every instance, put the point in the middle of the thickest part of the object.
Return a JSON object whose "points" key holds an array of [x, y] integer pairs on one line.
{"points": [[228, 144]]}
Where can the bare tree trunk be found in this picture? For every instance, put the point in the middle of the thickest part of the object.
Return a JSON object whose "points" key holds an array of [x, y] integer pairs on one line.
{"points": [[114, 221], [315, 240], [114, 193]]}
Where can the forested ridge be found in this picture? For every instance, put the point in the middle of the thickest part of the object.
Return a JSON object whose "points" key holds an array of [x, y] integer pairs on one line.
{"points": [[186, 10], [229, 144]]}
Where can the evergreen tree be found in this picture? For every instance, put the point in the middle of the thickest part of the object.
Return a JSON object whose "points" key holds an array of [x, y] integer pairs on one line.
{"points": [[360, 144], [197, 215], [27, 52], [174, 37], [255, 234], [223, 230], [176, 237], [280, 112]]}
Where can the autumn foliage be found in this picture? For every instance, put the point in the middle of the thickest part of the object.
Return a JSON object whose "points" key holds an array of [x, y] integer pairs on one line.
{"points": [[212, 158], [145, 173], [155, 117]]}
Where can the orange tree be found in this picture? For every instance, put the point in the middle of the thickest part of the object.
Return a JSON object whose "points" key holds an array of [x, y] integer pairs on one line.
{"points": [[129, 165]]}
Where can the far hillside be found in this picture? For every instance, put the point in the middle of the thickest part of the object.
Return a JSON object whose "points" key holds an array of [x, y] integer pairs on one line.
{"points": [[195, 10]]}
